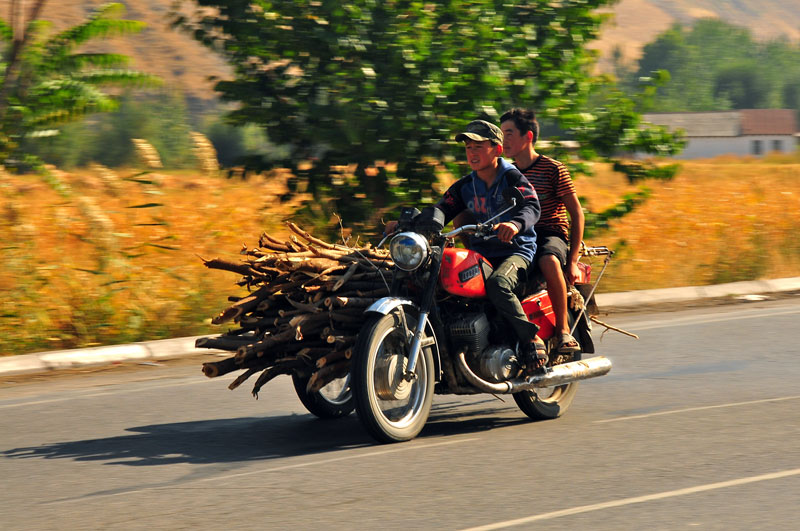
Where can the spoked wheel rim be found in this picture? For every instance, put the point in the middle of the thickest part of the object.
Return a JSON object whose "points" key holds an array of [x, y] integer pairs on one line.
{"points": [[337, 392], [398, 401], [544, 403], [549, 394]]}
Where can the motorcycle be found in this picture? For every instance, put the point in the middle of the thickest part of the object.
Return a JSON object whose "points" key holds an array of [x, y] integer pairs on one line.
{"points": [[437, 333]]}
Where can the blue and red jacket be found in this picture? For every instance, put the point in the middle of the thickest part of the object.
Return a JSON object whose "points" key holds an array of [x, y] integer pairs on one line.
{"points": [[471, 193]]}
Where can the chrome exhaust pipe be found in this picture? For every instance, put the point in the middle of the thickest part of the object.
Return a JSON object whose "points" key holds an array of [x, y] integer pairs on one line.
{"points": [[564, 374], [557, 375]]}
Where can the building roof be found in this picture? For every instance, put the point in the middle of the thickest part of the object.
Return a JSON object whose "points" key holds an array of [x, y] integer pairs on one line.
{"points": [[725, 123], [728, 123], [768, 122]]}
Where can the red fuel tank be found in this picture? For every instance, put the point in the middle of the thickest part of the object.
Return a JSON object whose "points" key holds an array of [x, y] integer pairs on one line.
{"points": [[464, 272]]}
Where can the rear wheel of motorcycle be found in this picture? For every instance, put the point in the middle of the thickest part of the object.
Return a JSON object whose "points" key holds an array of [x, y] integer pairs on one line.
{"points": [[333, 401], [391, 408], [546, 403]]}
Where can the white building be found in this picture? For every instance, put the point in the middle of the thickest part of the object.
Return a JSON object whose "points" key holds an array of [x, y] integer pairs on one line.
{"points": [[741, 132]]}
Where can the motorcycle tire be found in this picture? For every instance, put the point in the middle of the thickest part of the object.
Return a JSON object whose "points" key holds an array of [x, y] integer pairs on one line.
{"points": [[552, 402], [547, 403], [391, 408], [333, 401]]}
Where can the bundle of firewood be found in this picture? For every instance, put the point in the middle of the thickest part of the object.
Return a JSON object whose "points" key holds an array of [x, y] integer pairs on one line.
{"points": [[304, 309]]}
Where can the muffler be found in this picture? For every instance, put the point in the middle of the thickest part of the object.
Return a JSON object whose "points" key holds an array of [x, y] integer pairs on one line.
{"points": [[557, 375]]}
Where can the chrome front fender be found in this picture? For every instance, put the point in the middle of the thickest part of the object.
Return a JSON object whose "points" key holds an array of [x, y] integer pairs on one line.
{"points": [[385, 305]]}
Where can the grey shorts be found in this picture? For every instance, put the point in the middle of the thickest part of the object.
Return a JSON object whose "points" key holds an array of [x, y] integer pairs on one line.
{"points": [[551, 244]]}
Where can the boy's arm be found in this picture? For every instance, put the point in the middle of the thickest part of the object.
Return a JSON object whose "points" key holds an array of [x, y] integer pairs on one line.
{"points": [[451, 202], [576, 225], [531, 210]]}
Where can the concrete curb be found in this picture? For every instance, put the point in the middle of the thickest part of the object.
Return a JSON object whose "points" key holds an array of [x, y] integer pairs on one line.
{"points": [[74, 358], [633, 299], [184, 346]]}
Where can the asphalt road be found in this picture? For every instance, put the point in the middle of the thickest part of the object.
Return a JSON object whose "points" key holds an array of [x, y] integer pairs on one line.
{"points": [[696, 426]]}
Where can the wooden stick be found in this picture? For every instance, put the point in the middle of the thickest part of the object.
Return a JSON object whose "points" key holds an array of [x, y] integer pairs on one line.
{"points": [[615, 329], [272, 372], [242, 377], [349, 302], [326, 375], [226, 265], [223, 343], [212, 369], [350, 272], [308, 237], [341, 340], [271, 243], [310, 308], [257, 349], [246, 304], [334, 356]]}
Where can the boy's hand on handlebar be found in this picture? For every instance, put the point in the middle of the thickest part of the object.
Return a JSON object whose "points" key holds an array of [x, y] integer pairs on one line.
{"points": [[505, 231], [390, 227]]}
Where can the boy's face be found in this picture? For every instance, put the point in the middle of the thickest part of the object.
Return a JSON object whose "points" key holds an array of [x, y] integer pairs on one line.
{"points": [[481, 154], [513, 141]]}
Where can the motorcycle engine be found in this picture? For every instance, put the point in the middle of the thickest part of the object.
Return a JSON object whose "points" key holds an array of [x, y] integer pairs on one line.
{"points": [[498, 364], [494, 363], [470, 330]]}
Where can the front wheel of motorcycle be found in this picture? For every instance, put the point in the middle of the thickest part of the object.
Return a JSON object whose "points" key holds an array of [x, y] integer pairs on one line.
{"points": [[333, 401], [391, 407]]}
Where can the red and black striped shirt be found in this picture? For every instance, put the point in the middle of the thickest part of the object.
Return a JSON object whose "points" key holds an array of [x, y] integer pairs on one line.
{"points": [[552, 182]]}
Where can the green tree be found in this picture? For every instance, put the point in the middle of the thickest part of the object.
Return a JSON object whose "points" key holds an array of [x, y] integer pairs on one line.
{"points": [[743, 85], [715, 65], [360, 81], [46, 82]]}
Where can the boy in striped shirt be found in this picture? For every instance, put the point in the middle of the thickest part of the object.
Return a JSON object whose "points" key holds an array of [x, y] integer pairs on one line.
{"points": [[558, 241]]}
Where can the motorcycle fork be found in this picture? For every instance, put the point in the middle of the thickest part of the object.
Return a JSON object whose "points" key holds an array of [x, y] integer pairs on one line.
{"points": [[424, 311]]}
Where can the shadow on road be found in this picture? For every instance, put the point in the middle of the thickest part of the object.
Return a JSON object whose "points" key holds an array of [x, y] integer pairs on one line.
{"points": [[255, 438]]}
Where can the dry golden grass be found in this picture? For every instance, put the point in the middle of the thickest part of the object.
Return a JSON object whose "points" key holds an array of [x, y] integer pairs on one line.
{"points": [[95, 265], [718, 221]]}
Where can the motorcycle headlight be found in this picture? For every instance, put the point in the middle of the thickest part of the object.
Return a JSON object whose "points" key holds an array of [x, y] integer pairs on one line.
{"points": [[409, 250]]}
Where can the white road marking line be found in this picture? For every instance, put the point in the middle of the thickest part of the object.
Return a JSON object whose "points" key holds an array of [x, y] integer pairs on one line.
{"points": [[636, 499], [666, 323], [700, 408], [403, 448]]}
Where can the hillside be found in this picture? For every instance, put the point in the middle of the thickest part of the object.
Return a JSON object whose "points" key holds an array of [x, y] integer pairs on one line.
{"points": [[187, 65], [159, 49], [637, 22]]}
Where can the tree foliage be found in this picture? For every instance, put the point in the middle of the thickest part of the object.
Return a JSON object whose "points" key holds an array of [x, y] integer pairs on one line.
{"points": [[715, 65], [359, 81], [47, 81]]}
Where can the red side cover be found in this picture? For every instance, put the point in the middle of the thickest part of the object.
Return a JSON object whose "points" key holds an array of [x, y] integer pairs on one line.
{"points": [[462, 272], [539, 310]]}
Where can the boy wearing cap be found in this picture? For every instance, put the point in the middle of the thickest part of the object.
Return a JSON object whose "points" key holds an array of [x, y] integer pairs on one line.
{"points": [[481, 194], [558, 237]]}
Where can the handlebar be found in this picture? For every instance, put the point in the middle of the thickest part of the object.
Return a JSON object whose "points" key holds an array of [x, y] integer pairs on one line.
{"points": [[465, 228]]}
